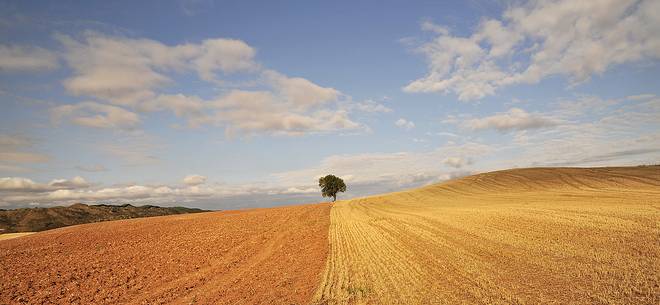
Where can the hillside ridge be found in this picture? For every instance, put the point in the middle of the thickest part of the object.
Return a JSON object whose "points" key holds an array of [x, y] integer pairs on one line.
{"points": [[560, 178], [520, 236], [40, 219]]}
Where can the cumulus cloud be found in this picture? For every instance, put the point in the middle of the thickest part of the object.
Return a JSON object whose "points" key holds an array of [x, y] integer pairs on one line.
{"points": [[191, 8], [299, 92], [181, 105], [404, 124], [640, 97], [16, 183], [132, 73], [250, 112], [621, 131], [371, 107], [26, 58], [538, 39], [514, 119], [389, 170], [27, 185], [16, 191], [74, 183], [126, 71], [222, 55], [194, 180], [96, 115], [624, 132], [456, 162]]}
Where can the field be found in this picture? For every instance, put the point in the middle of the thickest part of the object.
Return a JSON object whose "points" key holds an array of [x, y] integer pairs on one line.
{"points": [[267, 256], [13, 235], [523, 236], [531, 236]]}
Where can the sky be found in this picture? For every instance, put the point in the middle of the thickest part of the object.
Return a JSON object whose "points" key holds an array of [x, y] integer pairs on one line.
{"points": [[239, 104]]}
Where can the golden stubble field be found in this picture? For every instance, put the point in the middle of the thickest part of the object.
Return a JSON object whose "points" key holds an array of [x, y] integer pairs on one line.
{"points": [[14, 235], [524, 236]]}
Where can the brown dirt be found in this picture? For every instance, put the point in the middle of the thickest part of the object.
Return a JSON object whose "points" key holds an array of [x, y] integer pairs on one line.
{"points": [[259, 256]]}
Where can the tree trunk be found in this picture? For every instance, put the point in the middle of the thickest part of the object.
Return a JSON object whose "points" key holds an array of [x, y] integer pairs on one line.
{"points": [[334, 198]]}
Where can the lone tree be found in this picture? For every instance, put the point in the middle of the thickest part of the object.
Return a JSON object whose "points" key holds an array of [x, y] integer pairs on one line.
{"points": [[330, 185]]}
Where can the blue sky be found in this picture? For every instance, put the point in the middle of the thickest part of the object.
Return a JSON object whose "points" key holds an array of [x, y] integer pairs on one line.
{"points": [[220, 104]]}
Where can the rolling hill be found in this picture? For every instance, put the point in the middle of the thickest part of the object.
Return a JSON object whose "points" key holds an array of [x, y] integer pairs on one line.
{"points": [[520, 236], [40, 219]]}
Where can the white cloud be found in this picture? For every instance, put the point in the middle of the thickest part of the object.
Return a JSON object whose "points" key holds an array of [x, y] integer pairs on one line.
{"points": [[455, 162], [22, 191], [96, 115], [296, 190], [640, 97], [17, 183], [250, 112], [194, 180], [299, 92], [617, 132], [74, 183], [127, 71], [26, 58], [405, 124], [27, 185], [514, 119], [371, 107], [223, 55], [194, 109], [132, 73], [447, 134], [541, 38], [191, 8], [427, 25], [389, 169], [622, 132]]}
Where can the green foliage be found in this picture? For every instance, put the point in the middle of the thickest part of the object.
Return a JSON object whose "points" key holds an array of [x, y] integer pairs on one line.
{"points": [[330, 185]]}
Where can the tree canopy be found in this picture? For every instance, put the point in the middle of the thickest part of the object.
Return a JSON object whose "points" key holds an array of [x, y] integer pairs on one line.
{"points": [[331, 185]]}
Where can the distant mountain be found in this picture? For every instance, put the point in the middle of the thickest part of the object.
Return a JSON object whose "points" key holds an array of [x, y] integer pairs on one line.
{"points": [[39, 219]]}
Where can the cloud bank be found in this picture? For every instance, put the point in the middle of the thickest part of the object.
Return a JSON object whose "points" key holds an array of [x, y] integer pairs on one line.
{"points": [[538, 39], [128, 77]]}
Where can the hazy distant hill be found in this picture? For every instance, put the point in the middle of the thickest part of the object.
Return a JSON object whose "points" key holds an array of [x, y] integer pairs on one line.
{"points": [[39, 219]]}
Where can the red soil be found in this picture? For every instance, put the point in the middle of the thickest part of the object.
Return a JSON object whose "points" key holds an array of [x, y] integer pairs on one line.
{"points": [[260, 256]]}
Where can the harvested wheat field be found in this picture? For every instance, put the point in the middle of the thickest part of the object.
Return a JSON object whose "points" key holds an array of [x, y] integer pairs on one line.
{"points": [[524, 236], [260, 256], [14, 235]]}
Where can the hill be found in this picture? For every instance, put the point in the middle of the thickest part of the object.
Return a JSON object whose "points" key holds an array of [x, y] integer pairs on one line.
{"points": [[40, 219], [520, 236]]}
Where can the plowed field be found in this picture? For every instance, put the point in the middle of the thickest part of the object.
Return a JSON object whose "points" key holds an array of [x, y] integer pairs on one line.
{"points": [[261, 256], [530, 236]]}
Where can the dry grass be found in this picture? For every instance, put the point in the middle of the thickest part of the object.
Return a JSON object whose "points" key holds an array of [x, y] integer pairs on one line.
{"points": [[531, 236], [14, 235]]}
